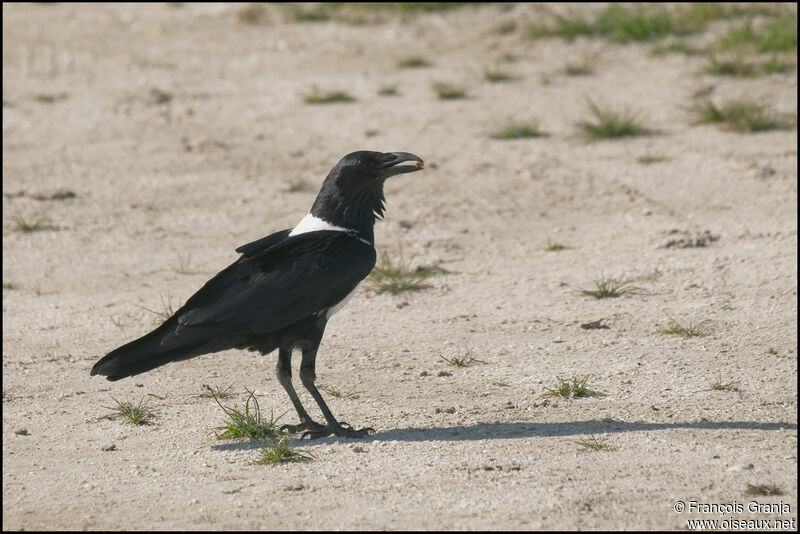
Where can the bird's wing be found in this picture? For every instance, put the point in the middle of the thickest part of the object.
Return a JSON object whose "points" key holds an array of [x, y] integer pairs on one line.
{"points": [[277, 285], [264, 243]]}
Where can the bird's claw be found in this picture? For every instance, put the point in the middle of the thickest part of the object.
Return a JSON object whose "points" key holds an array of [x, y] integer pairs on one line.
{"points": [[305, 427], [337, 430]]}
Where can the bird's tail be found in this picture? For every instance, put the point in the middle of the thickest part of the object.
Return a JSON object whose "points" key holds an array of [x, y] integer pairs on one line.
{"points": [[148, 352]]}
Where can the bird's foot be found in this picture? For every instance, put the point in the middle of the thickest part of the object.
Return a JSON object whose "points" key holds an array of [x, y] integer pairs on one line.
{"points": [[305, 427], [338, 430]]}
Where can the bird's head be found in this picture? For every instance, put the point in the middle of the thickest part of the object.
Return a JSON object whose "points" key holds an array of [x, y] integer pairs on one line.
{"points": [[365, 169], [352, 194]]}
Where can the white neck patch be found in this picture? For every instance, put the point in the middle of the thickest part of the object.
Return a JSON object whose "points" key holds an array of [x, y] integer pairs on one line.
{"points": [[310, 223]]}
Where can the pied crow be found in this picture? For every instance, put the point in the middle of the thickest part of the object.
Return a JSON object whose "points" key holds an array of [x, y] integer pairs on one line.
{"points": [[282, 290]]}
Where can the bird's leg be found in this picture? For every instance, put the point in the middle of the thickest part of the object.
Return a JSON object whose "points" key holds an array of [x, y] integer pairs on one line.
{"points": [[308, 375], [284, 372]]}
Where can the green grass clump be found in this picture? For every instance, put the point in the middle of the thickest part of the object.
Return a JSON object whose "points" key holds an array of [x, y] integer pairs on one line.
{"points": [[388, 90], [447, 91], [47, 98], [362, 13], [132, 414], [334, 97], [320, 12], [610, 288], [624, 23], [498, 76], [776, 65], [763, 490], [462, 361], [690, 329], [519, 130], [672, 46], [250, 423], [649, 159], [738, 115], [731, 66], [394, 278], [779, 35], [184, 264], [569, 388], [578, 69], [278, 452], [594, 444], [719, 385], [505, 27], [215, 393], [555, 247], [27, 226], [413, 62], [167, 309], [612, 123]]}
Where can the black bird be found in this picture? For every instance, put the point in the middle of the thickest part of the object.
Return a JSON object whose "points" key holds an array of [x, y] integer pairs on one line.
{"points": [[282, 290]]}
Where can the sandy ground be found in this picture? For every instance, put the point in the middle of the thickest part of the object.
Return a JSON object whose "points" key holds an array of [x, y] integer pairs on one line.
{"points": [[179, 129]]}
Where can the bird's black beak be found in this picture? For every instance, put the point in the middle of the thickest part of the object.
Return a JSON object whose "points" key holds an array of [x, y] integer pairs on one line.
{"points": [[391, 166]]}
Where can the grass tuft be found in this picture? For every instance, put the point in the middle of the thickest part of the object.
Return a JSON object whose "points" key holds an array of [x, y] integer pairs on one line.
{"points": [[463, 361], [167, 310], [738, 115], [47, 98], [394, 278], [649, 159], [734, 66], [719, 385], [584, 68], [132, 414], [27, 226], [593, 444], [552, 246], [249, 423], [519, 130], [673, 46], [778, 35], [320, 12], [612, 124], [498, 76], [763, 490], [625, 22], [506, 27], [278, 452], [569, 388], [334, 97], [388, 90], [688, 330], [413, 62], [611, 288], [775, 65], [216, 393], [184, 264], [447, 91]]}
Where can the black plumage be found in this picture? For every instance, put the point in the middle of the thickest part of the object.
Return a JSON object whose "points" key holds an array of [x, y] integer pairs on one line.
{"points": [[282, 290]]}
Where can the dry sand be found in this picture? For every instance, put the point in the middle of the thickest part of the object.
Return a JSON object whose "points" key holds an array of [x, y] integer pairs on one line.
{"points": [[180, 129]]}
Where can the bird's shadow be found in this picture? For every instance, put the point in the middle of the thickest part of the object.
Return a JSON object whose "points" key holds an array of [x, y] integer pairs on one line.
{"points": [[482, 431]]}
